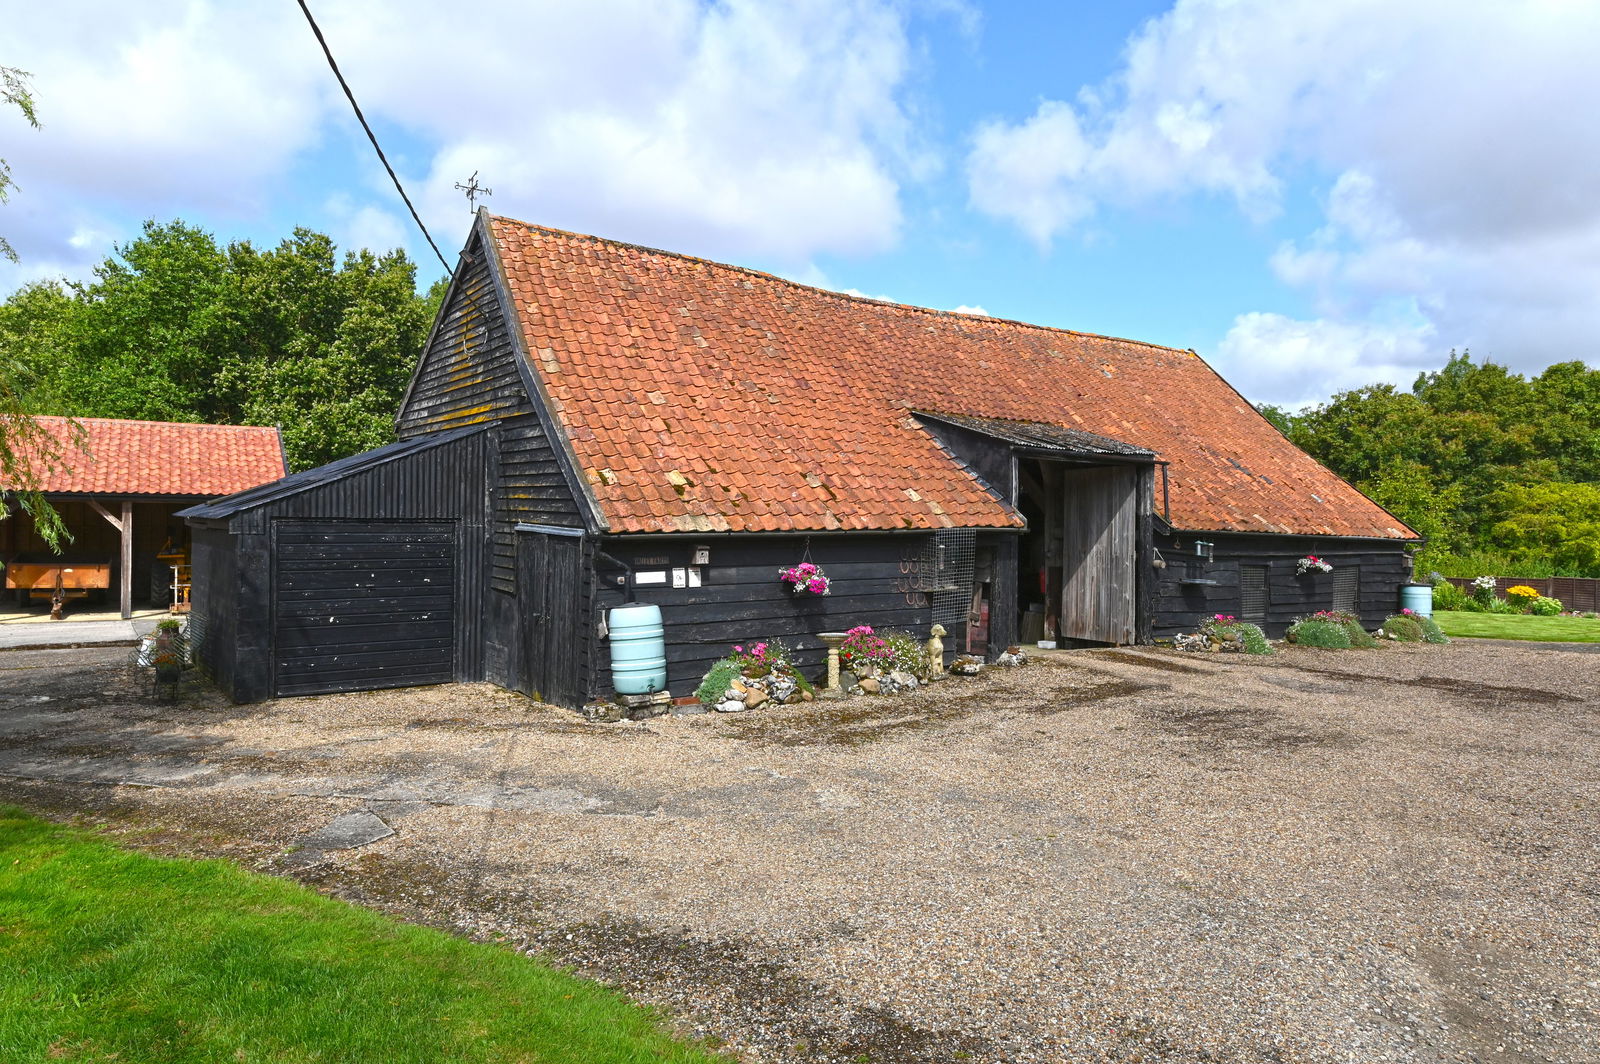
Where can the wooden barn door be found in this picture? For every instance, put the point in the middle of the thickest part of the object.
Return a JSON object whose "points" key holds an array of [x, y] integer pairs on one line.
{"points": [[362, 605], [1099, 549], [550, 598]]}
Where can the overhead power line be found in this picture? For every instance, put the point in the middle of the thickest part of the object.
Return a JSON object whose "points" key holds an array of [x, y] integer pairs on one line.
{"points": [[370, 135]]}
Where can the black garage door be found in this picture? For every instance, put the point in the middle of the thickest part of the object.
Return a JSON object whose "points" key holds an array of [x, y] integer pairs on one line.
{"points": [[362, 605]]}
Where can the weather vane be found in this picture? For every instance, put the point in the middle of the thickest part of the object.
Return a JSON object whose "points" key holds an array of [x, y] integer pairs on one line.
{"points": [[473, 191]]}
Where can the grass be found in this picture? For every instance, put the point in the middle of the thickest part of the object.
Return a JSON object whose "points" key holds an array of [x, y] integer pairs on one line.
{"points": [[112, 955], [1518, 626]]}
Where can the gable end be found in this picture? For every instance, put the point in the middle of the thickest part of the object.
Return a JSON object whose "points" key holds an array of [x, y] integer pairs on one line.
{"points": [[468, 372]]}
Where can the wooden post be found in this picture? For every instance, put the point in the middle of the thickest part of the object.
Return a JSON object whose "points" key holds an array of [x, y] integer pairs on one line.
{"points": [[127, 559]]}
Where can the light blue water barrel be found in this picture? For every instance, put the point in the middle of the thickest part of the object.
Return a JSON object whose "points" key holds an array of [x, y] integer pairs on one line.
{"points": [[638, 650], [1418, 598]]}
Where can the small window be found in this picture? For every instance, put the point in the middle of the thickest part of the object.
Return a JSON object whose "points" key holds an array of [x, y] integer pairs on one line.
{"points": [[1346, 582], [1253, 592]]}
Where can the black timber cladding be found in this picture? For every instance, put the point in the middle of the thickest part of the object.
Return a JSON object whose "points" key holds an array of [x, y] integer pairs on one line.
{"points": [[439, 478], [742, 600], [529, 487], [1192, 588], [468, 373], [358, 605]]}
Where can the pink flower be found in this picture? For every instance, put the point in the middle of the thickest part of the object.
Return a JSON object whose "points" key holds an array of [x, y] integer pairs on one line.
{"points": [[738, 650]]}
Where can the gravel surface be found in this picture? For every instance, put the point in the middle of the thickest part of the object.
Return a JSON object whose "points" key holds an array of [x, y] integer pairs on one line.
{"points": [[1122, 855]]}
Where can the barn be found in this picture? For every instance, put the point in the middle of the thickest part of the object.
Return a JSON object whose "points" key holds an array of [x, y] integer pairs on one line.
{"points": [[593, 422], [118, 485]]}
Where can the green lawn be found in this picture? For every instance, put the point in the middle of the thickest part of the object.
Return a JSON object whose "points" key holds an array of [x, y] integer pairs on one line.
{"points": [[1518, 626], [112, 955]]}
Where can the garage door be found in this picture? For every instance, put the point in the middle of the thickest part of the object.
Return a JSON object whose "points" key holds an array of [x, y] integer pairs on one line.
{"points": [[362, 605]]}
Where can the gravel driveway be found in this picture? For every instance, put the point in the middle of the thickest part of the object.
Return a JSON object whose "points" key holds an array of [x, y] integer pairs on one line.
{"points": [[1128, 855]]}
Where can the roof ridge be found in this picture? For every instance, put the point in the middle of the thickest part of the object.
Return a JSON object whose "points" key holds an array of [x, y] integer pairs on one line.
{"points": [[146, 421], [835, 293]]}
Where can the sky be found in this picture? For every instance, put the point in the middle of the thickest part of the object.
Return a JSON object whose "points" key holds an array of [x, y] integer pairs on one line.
{"points": [[1314, 195]]}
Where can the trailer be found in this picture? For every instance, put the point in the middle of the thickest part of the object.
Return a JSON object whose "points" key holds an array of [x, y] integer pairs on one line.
{"points": [[35, 576]]}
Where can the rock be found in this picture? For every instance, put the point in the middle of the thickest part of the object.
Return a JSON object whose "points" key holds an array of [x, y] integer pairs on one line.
{"points": [[807, 696], [604, 712], [738, 688], [781, 688], [869, 685], [903, 680], [793, 700], [731, 706], [755, 698]]}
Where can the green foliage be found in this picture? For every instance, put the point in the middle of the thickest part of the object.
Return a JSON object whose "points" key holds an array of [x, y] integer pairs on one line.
{"points": [[714, 686], [1224, 627], [907, 653], [1545, 606], [1558, 521], [1360, 638], [1403, 628], [1324, 633], [14, 91], [111, 955], [1431, 632], [1489, 465], [175, 328], [1446, 596]]}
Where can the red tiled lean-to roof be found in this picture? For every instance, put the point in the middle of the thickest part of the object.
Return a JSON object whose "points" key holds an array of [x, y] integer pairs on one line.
{"points": [[703, 397], [116, 457]]}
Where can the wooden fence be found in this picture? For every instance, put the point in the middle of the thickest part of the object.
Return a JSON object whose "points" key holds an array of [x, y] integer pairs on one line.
{"points": [[1575, 593]]}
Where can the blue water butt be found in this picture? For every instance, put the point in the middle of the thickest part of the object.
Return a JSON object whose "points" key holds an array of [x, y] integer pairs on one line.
{"points": [[1418, 598], [638, 649]]}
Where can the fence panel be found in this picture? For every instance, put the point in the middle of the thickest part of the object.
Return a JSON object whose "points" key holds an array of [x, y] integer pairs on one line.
{"points": [[1575, 593]]}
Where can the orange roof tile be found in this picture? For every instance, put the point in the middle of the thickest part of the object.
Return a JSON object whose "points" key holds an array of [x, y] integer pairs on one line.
{"points": [[798, 398], [116, 457]]}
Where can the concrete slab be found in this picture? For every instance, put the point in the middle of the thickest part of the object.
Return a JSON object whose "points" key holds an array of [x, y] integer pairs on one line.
{"points": [[67, 633], [348, 831]]}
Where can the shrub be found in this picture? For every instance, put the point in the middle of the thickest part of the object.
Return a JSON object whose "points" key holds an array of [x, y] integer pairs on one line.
{"points": [[714, 685], [1483, 591], [906, 653], [1224, 627], [1446, 596], [1404, 628], [1431, 632], [1545, 606], [1322, 632]]}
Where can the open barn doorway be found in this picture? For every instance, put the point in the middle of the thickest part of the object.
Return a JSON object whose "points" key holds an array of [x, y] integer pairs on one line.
{"points": [[1077, 564]]}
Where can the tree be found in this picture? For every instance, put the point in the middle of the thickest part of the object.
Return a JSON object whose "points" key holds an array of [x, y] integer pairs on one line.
{"points": [[14, 91], [1558, 521], [173, 327], [27, 452]]}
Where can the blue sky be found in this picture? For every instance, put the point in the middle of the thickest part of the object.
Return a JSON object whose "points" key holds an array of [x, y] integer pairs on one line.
{"points": [[1312, 194]]}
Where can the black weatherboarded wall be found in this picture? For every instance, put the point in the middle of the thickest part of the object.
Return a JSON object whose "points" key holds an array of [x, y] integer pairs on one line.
{"points": [[742, 601], [1253, 578], [364, 573]]}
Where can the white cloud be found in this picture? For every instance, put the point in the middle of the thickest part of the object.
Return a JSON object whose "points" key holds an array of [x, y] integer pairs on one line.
{"points": [[1456, 144], [1293, 363], [744, 128], [979, 311]]}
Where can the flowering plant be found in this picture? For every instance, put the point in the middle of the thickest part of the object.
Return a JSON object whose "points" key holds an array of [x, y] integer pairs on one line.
{"points": [[805, 577], [861, 648], [1484, 583], [1310, 562]]}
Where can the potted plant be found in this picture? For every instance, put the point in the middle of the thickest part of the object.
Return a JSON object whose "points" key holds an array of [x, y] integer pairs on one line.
{"points": [[1311, 564], [167, 651], [807, 578]]}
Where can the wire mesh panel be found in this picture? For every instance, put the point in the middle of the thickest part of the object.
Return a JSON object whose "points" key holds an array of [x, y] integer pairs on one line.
{"points": [[947, 574], [1346, 582]]}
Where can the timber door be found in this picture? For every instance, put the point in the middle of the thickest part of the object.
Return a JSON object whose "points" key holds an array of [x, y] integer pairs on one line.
{"points": [[550, 597], [359, 605], [1099, 550]]}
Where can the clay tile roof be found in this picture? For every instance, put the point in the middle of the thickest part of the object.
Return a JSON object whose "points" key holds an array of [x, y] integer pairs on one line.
{"points": [[800, 400], [115, 457]]}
